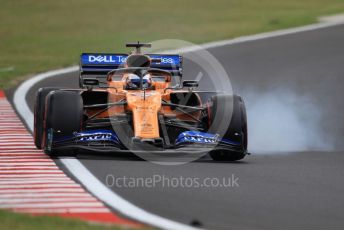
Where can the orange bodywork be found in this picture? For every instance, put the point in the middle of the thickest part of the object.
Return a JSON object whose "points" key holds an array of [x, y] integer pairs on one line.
{"points": [[144, 105]]}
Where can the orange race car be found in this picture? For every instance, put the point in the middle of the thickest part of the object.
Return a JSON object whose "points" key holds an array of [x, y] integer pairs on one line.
{"points": [[138, 103]]}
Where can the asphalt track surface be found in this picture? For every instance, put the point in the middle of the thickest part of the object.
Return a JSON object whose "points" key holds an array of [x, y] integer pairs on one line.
{"points": [[299, 190]]}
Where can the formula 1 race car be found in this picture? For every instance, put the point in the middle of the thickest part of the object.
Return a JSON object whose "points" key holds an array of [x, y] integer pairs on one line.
{"points": [[137, 103]]}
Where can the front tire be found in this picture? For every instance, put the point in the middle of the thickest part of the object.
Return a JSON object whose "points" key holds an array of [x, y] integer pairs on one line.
{"points": [[39, 111], [234, 128], [63, 116]]}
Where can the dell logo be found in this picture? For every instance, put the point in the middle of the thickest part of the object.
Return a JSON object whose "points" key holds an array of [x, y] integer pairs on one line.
{"points": [[99, 58]]}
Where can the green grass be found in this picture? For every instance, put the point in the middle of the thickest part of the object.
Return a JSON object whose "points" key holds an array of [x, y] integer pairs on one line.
{"points": [[16, 221], [38, 35]]}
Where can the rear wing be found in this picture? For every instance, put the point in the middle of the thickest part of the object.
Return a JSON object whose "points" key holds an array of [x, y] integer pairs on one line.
{"points": [[100, 63]]}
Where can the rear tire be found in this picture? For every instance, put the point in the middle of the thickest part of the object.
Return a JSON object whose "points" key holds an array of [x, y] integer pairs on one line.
{"points": [[220, 108], [39, 114], [63, 117]]}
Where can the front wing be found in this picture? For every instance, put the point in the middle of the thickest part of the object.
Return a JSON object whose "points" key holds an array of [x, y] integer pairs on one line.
{"points": [[107, 141]]}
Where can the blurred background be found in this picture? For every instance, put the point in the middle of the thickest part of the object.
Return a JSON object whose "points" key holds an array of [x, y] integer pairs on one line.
{"points": [[39, 35]]}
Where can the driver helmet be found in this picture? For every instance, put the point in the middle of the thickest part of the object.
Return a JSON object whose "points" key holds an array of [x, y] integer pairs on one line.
{"points": [[133, 81]]}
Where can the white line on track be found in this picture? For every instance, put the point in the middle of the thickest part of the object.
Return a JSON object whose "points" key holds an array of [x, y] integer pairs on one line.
{"points": [[48, 195], [24, 159], [30, 171], [26, 149], [19, 135], [63, 210], [21, 151], [87, 178], [20, 154], [55, 205], [20, 147], [42, 190], [8, 131], [15, 164], [33, 186], [26, 182], [11, 167], [32, 175], [47, 199], [27, 160], [16, 138], [9, 125], [28, 143]]}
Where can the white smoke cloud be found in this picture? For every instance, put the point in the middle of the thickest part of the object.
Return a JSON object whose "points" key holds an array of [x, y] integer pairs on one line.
{"points": [[280, 120]]}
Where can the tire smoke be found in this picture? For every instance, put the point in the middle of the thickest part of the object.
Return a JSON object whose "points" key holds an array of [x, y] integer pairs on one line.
{"points": [[280, 121]]}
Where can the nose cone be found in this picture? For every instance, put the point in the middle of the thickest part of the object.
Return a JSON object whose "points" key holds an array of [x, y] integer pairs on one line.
{"points": [[145, 113]]}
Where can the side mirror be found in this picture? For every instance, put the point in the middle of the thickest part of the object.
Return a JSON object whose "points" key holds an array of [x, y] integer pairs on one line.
{"points": [[190, 84], [90, 82]]}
